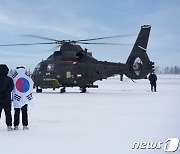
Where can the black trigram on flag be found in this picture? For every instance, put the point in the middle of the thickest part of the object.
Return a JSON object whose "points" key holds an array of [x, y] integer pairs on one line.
{"points": [[14, 75], [17, 97], [29, 97], [27, 74]]}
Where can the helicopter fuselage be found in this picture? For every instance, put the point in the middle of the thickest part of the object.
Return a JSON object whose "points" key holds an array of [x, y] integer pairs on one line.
{"points": [[58, 73]]}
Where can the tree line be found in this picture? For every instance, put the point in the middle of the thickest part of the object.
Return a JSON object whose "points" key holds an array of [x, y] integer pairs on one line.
{"points": [[167, 70]]}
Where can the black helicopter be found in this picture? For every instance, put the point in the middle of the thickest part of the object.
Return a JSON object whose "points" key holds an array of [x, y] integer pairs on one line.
{"points": [[72, 66]]}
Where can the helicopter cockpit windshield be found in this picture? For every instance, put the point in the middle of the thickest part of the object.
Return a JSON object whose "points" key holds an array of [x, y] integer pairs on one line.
{"points": [[50, 57], [37, 67]]}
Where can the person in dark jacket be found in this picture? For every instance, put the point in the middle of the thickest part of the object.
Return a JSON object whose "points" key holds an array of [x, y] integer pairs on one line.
{"points": [[153, 79], [6, 86]]}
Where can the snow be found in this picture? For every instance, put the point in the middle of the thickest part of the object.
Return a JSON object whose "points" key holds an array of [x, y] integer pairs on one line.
{"points": [[107, 120]]}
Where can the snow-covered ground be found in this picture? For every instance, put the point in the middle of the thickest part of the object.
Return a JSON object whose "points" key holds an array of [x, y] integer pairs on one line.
{"points": [[106, 120]]}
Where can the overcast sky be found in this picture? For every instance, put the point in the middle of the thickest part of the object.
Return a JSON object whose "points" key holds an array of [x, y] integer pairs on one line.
{"points": [[81, 19]]}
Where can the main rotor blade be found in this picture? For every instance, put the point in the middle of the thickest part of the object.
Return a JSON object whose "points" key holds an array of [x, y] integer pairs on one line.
{"points": [[41, 37], [55, 48], [100, 38], [28, 44], [104, 43]]}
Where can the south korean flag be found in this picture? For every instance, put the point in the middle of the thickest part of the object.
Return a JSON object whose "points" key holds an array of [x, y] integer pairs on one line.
{"points": [[23, 88]]}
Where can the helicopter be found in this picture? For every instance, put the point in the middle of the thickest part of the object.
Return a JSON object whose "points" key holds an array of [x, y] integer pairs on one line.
{"points": [[73, 66]]}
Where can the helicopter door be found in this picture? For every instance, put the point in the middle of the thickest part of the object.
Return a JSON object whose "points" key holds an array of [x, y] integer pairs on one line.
{"points": [[67, 74]]}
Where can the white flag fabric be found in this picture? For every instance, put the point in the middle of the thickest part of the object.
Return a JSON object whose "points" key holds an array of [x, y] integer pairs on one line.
{"points": [[23, 88]]}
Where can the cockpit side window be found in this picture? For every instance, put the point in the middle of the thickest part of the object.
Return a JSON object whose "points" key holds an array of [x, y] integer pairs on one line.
{"points": [[79, 55]]}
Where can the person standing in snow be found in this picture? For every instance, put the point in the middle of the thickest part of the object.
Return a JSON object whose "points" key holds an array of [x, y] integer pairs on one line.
{"points": [[22, 96], [153, 79], [6, 86]]}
